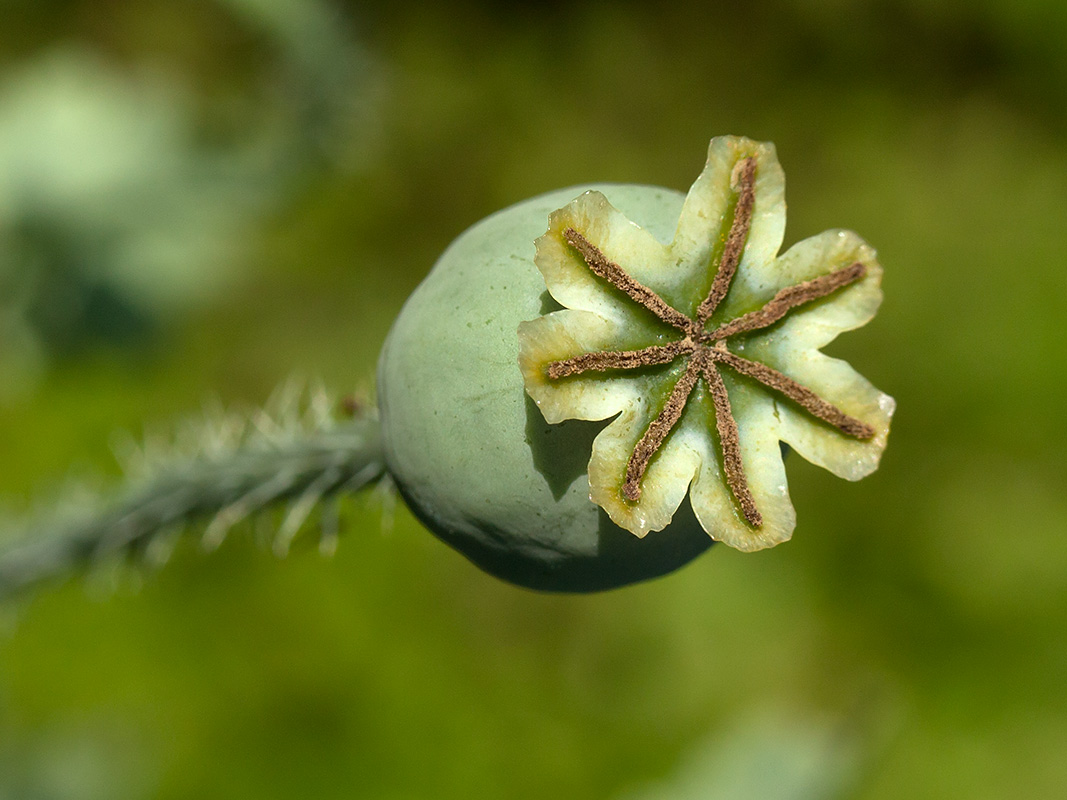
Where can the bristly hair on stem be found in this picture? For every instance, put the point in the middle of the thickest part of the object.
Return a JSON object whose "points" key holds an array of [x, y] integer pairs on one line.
{"points": [[299, 453]]}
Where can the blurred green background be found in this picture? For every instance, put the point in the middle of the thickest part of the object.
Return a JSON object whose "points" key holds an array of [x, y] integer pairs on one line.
{"points": [[199, 199]]}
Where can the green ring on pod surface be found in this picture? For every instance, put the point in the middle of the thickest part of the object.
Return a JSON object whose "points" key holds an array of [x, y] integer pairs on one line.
{"points": [[471, 453]]}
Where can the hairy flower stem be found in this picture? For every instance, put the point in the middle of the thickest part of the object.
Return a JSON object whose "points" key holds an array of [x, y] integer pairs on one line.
{"points": [[222, 488]]}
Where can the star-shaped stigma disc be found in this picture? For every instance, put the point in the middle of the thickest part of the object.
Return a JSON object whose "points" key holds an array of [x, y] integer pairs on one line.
{"points": [[659, 342]]}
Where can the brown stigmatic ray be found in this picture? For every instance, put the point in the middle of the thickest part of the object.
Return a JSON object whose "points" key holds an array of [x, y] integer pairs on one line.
{"points": [[801, 395], [704, 351], [730, 442], [788, 299], [603, 267], [620, 359], [658, 430], [745, 181]]}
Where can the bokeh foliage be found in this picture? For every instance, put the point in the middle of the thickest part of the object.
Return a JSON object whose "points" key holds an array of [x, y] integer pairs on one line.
{"points": [[910, 641]]}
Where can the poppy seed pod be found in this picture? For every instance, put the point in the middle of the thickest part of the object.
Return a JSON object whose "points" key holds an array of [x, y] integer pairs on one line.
{"points": [[671, 315]]}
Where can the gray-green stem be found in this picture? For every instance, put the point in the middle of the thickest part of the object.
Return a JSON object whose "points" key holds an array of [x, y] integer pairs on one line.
{"points": [[301, 468]]}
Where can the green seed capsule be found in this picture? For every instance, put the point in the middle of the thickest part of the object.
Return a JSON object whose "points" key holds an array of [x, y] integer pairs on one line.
{"points": [[577, 365], [471, 452]]}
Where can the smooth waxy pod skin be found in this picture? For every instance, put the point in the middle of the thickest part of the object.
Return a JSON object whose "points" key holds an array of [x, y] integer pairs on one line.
{"points": [[471, 453], [675, 318]]}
